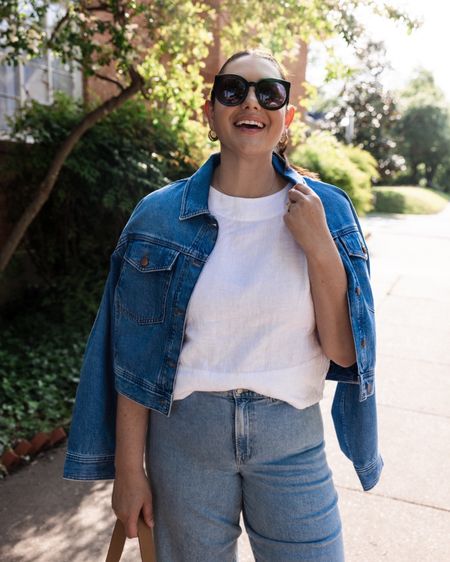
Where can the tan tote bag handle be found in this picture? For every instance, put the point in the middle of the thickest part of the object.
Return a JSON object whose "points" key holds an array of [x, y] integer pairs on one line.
{"points": [[145, 537]]}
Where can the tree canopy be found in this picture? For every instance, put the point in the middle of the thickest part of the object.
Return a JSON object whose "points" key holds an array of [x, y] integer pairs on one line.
{"points": [[423, 130], [372, 110], [158, 47]]}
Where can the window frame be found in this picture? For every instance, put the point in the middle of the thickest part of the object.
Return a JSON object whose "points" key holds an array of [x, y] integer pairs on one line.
{"points": [[21, 92]]}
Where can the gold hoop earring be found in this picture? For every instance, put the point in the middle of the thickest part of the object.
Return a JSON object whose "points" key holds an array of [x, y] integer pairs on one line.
{"points": [[212, 136]]}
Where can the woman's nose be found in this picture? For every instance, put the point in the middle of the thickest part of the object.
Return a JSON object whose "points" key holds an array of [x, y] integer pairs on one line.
{"points": [[251, 100]]}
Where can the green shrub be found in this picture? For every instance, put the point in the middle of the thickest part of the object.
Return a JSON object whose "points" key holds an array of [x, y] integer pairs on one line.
{"points": [[441, 178], [387, 201], [347, 167], [38, 378], [44, 331], [363, 160], [409, 199]]}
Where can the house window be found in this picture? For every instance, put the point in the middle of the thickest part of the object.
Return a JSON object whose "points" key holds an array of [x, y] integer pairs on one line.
{"points": [[38, 79], [9, 86]]}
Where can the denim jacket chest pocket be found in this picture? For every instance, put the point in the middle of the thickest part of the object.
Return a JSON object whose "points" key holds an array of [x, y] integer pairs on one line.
{"points": [[144, 281], [355, 248]]}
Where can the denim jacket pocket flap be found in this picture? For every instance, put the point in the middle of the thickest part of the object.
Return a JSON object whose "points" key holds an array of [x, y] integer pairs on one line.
{"points": [[354, 244], [146, 256]]}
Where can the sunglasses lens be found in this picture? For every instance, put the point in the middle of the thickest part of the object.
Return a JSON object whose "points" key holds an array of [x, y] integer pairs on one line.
{"points": [[271, 95], [230, 90]]}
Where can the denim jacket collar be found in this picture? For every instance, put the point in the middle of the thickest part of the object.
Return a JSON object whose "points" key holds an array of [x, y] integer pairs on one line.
{"points": [[195, 193]]}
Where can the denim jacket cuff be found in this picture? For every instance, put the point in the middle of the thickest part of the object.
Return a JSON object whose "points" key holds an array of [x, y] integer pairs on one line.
{"points": [[89, 467]]}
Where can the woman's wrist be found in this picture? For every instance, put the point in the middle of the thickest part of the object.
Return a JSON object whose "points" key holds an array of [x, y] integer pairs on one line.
{"points": [[128, 468]]}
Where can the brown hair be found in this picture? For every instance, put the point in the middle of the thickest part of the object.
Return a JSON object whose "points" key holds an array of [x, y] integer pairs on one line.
{"points": [[280, 149]]}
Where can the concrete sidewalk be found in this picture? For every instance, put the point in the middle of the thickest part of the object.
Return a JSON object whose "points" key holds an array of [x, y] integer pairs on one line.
{"points": [[406, 517]]}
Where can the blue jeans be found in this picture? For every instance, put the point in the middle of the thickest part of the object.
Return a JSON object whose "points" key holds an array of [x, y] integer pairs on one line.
{"points": [[220, 453]]}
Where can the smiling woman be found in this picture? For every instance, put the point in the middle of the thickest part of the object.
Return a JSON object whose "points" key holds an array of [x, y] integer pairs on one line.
{"points": [[226, 311], [251, 117]]}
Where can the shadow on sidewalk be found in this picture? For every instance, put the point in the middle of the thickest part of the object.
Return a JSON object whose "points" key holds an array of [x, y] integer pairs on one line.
{"points": [[44, 517]]}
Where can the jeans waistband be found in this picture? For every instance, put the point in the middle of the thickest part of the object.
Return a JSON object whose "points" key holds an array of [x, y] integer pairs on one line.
{"points": [[238, 393]]}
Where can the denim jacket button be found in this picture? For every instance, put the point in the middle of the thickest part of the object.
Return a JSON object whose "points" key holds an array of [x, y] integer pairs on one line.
{"points": [[144, 261], [358, 291], [363, 343]]}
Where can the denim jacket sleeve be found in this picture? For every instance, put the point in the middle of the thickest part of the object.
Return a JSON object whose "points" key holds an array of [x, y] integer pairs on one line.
{"points": [[94, 414], [354, 408]]}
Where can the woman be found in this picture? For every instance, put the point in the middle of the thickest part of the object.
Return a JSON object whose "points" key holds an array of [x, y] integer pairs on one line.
{"points": [[237, 365]]}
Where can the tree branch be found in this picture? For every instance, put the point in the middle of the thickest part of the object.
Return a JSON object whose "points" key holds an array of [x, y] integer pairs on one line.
{"points": [[107, 79], [45, 188], [99, 8], [57, 28]]}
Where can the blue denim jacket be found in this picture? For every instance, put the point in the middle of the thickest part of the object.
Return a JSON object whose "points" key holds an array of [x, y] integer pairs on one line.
{"points": [[136, 339]]}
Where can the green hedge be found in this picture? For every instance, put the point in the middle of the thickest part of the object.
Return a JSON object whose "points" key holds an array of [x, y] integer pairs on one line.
{"points": [[347, 167], [38, 378], [389, 201], [409, 199]]}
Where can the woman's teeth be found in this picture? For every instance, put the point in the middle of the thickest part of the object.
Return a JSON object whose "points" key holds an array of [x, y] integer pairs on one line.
{"points": [[251, 124]]}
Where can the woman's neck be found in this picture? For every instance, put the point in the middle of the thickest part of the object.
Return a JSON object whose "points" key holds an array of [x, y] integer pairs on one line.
{"points": [[246, 177]]}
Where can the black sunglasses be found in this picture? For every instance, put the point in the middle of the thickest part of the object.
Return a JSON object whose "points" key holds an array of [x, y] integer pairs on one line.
{"points": [[232, 89]]}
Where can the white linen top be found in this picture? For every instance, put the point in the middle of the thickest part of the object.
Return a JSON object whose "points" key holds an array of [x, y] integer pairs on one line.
{"points": [[250, 320]]}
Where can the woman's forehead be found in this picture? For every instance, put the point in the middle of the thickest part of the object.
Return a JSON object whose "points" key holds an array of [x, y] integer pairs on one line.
{"points": [[252, 68]]}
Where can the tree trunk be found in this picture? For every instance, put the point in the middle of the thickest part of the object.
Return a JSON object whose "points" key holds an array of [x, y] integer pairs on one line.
{"points": [[429, 174], [415, 174], [46, 186]]}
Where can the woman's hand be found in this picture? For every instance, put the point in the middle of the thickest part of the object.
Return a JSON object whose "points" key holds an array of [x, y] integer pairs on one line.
{"points": [[131, 495], [306, 219]]}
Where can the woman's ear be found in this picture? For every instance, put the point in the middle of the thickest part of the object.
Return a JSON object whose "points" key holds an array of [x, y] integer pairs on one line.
{"points": [[290, 112], [208, 110]]}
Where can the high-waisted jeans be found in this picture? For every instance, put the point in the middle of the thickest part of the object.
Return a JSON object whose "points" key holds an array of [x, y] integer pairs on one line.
{"points": [[220, 453]]}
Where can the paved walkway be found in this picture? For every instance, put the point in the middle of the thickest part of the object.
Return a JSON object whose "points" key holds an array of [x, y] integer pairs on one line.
{"points": [[406, 517]]}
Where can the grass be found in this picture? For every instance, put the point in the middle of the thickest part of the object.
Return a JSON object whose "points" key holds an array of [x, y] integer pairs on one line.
{"points": [[409, 199]]}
